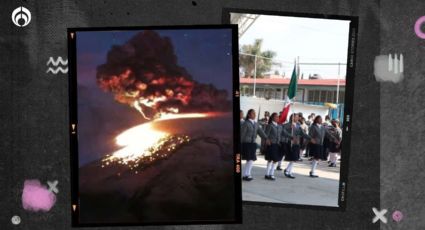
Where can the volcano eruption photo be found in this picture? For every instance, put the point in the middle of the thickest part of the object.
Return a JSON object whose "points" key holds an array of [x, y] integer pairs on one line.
{"points": [[152, 131]]}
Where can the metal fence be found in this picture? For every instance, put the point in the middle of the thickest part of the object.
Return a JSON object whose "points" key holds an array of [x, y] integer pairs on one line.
{"points": [[283, 68]]}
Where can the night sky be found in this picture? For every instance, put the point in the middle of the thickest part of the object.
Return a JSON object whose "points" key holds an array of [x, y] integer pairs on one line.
{"points": [[206, 54]]}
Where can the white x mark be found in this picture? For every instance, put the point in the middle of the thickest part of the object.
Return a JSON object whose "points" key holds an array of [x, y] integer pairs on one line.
{"points": [[379, 215], [52, 186]]}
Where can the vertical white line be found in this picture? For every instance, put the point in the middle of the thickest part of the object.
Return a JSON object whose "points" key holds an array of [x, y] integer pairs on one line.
{"points": [[396, 64], [390, 63]]}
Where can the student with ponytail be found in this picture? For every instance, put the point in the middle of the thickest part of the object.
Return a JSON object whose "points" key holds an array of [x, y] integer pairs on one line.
{"points": [[249, 131], [293, 132], [318, 132], [273, 151]]}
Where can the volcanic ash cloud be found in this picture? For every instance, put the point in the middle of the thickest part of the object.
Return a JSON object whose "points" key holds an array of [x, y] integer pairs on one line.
{"points": [[143, 73]]}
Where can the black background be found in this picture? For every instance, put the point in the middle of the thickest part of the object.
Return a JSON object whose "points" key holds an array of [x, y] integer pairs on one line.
{"points": [[387, 121]]}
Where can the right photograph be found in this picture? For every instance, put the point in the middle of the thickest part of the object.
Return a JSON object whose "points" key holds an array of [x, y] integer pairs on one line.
{"points": [[296, 86]]}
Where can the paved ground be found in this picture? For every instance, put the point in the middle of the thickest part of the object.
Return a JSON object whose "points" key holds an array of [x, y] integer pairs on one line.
{"points": [[303, 189]]}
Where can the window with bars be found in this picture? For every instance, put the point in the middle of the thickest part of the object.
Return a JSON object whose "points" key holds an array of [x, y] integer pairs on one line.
{"points": [[314, 95], [325, 96]]}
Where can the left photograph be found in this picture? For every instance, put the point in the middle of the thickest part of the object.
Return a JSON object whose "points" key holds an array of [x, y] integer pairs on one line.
{"points": [[152, 130]]}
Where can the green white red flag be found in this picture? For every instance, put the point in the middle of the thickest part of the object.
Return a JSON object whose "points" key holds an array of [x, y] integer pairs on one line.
{"points": [[292, 91]]}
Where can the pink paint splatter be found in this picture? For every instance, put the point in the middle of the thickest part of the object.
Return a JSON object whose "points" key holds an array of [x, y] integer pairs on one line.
{"points": [[418, 25], [397, 216], [37, 197]]}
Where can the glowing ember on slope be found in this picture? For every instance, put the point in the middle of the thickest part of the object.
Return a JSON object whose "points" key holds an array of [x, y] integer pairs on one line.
{"points": [[160, 150], [143, 144], [171, 116]]}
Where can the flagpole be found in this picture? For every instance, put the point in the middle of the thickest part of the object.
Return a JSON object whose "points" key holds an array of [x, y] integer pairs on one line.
{"points": [[297, 64], [337, 94], [255, 73], [289, 112], [298, 68], [291, 93], [258, 115]]}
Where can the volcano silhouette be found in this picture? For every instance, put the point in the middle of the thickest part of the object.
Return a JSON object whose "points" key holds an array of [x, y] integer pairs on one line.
{"points": [[195, 183]]}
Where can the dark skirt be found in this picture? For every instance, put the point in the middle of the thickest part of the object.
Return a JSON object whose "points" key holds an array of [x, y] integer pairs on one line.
{"points": [[317, 152], [303, 143], [325, 149], [334, 148], [293, 153], [307, 150], [248, 151], [274, 153], [285, 148], [263, 147]]}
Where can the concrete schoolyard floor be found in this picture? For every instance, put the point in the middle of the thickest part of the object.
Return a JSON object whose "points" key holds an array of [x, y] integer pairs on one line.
{"points": [[322, 191]]}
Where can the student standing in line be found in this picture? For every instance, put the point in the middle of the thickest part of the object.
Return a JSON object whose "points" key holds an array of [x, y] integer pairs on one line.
{"points": [[273, 151], [303, 141], [249, 131], [312, 116], [293, 131], [317, 133], [309, 121], [326, 142], [284, 140], [327, 120], [263, 123], [241, 116], [334, 147]]}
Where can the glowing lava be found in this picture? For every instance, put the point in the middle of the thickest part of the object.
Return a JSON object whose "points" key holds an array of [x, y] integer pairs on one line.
{"points": [[143, 143]]}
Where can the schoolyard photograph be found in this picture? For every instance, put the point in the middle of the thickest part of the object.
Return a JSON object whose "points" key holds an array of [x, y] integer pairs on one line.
{"points": [[293, 74]]}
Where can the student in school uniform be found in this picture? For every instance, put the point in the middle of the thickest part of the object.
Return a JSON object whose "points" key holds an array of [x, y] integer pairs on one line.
{"points": [[293, 132], [273, 151], [327, 120], [318, 132], [263, 124], [334, 147], [285, 143], [283, 146], [241, 116], [283, 151], [326, 142], [303, 142], [309, 123], [249, 131]]}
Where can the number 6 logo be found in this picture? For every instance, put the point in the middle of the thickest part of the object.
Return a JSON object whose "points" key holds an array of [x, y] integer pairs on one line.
{"points": [[418, 25]]}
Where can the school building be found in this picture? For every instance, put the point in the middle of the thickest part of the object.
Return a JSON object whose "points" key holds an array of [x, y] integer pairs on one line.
{"points": [[309, 91]]}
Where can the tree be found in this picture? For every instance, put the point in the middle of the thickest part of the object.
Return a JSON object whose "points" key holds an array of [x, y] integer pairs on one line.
{"points": [[247, 61]]}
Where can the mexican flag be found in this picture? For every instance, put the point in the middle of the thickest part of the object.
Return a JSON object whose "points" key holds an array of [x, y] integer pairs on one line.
{"points": [[292, 90]]}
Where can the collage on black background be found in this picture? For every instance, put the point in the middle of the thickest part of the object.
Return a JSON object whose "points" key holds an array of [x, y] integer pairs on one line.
{"points": [[211, 114]]}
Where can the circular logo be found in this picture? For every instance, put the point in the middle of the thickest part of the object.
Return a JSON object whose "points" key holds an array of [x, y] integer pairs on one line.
{"points": [[16, 220], [21, 16], [397, 216], [418, 25]]}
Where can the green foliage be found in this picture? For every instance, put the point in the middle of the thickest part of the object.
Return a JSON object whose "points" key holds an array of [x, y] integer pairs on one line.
{"points": [[246, 62]]}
